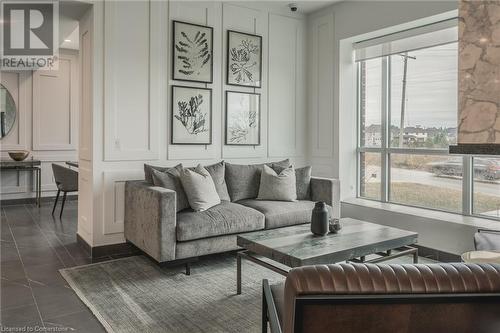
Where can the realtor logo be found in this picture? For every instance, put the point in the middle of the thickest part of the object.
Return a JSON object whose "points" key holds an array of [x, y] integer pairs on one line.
{"points": [[29, 34]]}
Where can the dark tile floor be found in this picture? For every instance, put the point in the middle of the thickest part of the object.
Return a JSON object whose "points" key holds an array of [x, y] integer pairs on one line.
{"points": [[34, 246]]}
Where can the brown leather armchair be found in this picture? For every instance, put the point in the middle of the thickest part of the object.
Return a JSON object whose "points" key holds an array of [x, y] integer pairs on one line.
{"points": [[385, 298]]}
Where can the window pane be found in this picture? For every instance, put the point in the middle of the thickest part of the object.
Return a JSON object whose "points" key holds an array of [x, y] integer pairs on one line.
{"points": [[370, 102], [370, 175], [429, 108], [487, 186], [427, 181]]}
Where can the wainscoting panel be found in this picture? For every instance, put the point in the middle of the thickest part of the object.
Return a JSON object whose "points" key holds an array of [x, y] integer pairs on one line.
{"points": [[250, 21], [55, 115], [130, 115], [114, 198], [85, 201], [287, 99], [203, 13], [321, 86], [85, 140]]}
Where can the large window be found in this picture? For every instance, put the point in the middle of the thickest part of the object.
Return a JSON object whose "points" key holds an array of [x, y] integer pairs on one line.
{"points": [[407, 117]]}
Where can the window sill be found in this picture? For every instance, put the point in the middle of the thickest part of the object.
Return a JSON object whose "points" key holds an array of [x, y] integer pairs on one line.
{"points": [[471, 221]]}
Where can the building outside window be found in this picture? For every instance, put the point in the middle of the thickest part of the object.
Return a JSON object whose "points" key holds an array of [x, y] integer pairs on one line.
{"points": [[407, 118]]}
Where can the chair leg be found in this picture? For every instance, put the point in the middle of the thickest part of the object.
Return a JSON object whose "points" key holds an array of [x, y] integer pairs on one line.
{"points": [[55, 202], [62, 205], [264, 314]]}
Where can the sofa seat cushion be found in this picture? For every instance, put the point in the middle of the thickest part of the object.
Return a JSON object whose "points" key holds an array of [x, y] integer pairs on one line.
{"points": [[283, 213], [224, 219]]}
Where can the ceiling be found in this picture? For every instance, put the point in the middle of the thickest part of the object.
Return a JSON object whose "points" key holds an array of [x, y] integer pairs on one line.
{"points": [[303, 6]]}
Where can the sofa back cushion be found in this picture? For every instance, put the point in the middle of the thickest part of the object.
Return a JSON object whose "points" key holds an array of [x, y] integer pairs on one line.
{"points": [[200, 188], [243, 181], [148, 172], [170, 179], [218, 173], [277, 186]]}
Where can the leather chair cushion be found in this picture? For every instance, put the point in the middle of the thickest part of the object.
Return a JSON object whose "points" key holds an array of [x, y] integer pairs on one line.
{"points": [[387, 279]]}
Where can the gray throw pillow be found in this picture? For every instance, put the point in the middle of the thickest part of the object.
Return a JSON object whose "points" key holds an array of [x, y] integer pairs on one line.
{"points": [[148, 171], [200, 188], [243, 181], [217, 171], [302, 181], [280, 187], [170, 179]]}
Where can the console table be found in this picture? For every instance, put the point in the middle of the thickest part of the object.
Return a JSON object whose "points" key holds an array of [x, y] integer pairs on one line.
{"points": [[33, 166]]}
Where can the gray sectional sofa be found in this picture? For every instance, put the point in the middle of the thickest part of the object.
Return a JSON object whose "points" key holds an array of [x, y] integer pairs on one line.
{"points": [[154, 226]]}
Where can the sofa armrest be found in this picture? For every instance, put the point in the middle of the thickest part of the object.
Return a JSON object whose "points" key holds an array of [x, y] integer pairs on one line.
{"points": [[150, 219], [327, 190]]}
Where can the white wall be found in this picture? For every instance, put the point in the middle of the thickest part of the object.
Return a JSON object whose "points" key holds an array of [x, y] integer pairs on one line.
{"points": [[46, 123], [326, 29], [131, 79]]}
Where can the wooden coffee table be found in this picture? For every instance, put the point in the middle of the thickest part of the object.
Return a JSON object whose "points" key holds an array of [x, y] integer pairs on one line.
{"points": [[296, 246]]}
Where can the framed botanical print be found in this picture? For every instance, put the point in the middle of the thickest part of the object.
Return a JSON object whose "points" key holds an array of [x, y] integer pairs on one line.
{"points": [[192, 52], [191, 122], [244, 59], [242, 118]]}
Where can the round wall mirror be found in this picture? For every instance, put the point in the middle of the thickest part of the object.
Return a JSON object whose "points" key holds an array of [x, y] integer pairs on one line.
{"points": [[7, 112]]}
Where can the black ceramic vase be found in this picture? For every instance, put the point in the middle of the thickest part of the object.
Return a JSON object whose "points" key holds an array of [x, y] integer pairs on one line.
{"points": [[319, 219]]}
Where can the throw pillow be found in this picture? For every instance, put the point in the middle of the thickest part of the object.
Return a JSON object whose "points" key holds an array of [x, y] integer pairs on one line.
{"points": [[148, 172], [274, 186], [200, 188], [302, 181], [217, 171], [170, 179], [243, 180]]}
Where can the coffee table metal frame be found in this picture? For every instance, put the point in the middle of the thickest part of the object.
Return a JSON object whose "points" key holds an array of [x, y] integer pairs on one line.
{"points": [[383, 256]]}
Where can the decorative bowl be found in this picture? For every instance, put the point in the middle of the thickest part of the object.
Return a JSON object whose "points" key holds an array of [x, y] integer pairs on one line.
{"points": [[18, 155]]}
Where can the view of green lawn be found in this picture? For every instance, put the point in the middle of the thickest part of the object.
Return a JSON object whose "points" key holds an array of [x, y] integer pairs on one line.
{"points": [[433, 197]]}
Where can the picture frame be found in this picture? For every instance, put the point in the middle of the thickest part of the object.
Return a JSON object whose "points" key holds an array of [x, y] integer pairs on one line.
{"points": [[243, 119], [191, 116], [244, 59], [192, 52]]}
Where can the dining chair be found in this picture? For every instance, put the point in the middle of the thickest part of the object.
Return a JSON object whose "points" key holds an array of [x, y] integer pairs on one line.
{"points": [[66, 181], [487, 240]]}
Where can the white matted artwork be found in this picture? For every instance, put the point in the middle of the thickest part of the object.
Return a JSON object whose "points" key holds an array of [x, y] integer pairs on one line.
{"points": [[191, 122], [192, 52], [242, 118], [244, 59]]}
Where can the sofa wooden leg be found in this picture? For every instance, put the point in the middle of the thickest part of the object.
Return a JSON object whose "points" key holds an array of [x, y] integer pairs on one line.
{"points": [[188, 268]]}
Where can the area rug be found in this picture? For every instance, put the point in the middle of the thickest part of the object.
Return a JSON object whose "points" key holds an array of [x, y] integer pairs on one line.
{"points": [[135, 295]]}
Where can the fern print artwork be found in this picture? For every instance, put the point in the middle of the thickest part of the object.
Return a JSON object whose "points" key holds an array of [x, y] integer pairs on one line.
{"points": [[242, 118], [244, 59], [191, 115], [192, 52]]}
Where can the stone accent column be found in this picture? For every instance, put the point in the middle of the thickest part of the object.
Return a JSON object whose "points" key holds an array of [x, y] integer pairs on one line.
{"points": [[479, 72]]}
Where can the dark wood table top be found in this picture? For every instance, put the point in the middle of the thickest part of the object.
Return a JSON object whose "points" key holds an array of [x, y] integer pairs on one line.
{"points": [[296, 246], [11, 164]]}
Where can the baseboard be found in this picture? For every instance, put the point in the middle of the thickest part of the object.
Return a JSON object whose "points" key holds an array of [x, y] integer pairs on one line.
{"points": [[24, 201], [437, 254], [107, 250]]}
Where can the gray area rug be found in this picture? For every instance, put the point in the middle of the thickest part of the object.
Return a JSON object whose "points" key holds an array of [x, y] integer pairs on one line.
{"points": [[135, 295]]}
